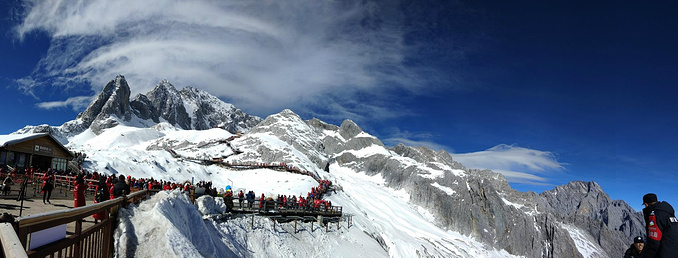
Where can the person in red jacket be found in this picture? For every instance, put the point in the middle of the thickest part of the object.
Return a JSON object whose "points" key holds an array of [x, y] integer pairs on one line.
{"points": [[79, 192], [661, 228], [110, 189], [47, 186]]}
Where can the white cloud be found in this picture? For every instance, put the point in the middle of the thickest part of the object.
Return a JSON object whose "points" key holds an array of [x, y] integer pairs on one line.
{"points": [[261, 55], [76, 103], [517, 164]]}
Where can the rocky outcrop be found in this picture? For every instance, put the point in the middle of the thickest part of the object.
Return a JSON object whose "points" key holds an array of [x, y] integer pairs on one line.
{"points": [[294, 132], [587, 206]]}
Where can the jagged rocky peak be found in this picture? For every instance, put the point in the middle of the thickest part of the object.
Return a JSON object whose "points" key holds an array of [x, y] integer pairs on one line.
{"points": [[587, 206], [284, 118], [288, 127], [577, 197], [189, 109], [115, 94], [112, 101], [349, 129], [169, 105]]}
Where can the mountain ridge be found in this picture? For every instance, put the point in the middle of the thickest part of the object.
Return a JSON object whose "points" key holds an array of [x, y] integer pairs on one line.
{"points": [[479, 203], [189, 109]]}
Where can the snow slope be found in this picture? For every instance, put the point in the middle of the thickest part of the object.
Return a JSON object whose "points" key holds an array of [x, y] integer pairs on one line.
{"points": [[384, 224]]}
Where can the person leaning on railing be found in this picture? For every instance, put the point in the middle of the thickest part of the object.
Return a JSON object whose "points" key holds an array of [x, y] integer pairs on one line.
{"points": [[121, 187]]}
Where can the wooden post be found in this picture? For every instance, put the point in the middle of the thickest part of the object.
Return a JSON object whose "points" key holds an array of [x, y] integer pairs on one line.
{"points": [[311, 226], [252, 221], [273, 224], [337, 224], [326, 227], [295, 226], [78, 230]]}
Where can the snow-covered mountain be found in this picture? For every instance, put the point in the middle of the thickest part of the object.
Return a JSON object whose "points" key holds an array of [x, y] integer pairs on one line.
{"points": [[189, 108], [404, 201]]}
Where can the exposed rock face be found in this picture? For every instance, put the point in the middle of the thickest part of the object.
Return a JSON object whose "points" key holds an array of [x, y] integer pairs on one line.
{"points": [[587, 206], [289, 128], [166, 102], [189, 108], [482, 204]]}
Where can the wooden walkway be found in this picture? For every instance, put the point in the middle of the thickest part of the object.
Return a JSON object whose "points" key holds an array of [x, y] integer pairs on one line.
{"points": [[269, 210]]}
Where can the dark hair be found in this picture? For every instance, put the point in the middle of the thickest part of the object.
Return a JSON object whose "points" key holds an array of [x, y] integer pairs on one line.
{"points": [[80, 179], [121, 177]]}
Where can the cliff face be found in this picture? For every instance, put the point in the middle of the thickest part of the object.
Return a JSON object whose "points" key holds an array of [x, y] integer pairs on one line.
{"points": [[481, 203]]}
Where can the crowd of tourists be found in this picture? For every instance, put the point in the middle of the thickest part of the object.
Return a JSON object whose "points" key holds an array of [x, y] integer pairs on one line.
{"points": [[313, 200]]}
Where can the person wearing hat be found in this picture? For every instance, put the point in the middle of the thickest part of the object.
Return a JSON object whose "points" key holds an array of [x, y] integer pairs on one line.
{"points": [[636, 249], [661, 228]]}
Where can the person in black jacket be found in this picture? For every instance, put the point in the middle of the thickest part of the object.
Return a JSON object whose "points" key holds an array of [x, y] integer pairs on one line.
{"points": [[661, 228], [636, 249], [120, 187]]}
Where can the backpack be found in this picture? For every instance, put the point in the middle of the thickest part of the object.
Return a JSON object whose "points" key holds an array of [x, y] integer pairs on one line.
{"points": [[99, 195]]}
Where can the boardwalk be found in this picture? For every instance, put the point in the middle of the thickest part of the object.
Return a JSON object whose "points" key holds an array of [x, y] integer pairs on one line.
{"points": [[270, 210]]}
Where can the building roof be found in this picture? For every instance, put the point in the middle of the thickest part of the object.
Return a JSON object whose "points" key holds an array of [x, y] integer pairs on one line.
{"points": [[11, 139]]}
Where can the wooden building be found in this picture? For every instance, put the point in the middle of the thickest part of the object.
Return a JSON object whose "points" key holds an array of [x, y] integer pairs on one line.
{"points": [[39, 150]]}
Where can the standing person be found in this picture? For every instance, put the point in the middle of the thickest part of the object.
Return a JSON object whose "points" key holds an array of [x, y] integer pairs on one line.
{"points": [[241, 198], [228, 200], [120, 187], [79, 192], [661, 228], [6, 188], [47, 186], [111, 184], [636, 249], [101, 194]]}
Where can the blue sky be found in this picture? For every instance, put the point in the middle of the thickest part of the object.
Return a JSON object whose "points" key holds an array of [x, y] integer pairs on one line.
{"points": [[545, 92]]}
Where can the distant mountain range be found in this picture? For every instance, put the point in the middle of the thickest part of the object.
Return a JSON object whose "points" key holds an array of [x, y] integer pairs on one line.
{"points": [[574, 220]]}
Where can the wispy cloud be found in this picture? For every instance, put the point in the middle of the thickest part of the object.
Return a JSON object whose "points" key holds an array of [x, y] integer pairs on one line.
{"points": [[517, 164], [260, 55], [76, 103], [408, 138]]}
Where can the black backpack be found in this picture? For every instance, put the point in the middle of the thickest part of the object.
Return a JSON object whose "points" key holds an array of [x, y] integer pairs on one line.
{"points": [[99, 195]]}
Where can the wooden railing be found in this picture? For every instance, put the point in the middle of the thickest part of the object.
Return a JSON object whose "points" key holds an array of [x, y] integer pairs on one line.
{"points": [[95, 241]]}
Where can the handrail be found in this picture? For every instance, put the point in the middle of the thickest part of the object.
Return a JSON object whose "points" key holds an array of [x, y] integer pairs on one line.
{"points": [[10, 242], [31, 220]]}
